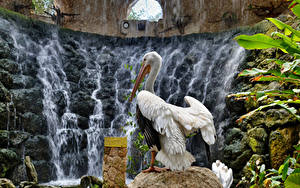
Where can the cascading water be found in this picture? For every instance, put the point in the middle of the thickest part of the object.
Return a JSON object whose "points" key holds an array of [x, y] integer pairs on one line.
{"points": [[84, 86]]}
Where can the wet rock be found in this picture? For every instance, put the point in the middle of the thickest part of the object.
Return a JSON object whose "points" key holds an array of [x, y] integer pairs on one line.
{"points": [[90, 181], [281, 143], [45, 170], [18, 174], [83, 122], [23, 99], [3, 116], [6, 79], [6, 183], [72, 73], [30, 170], [23, 81], [34, 124], [192, 177], [9, 65], [37, 148], [257, 140], [82, 104], [4, 135], [4, 94], [9, 160], [5, 50], [17, 137]]}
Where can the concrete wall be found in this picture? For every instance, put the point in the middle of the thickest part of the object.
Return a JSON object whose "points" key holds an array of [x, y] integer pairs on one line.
{"points": [[180, 17]]}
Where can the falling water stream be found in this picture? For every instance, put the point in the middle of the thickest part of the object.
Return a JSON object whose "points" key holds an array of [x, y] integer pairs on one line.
{"points": [[83, 77]]}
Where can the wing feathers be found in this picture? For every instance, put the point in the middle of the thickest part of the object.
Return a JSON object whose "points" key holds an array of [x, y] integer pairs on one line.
{"points": [[167, 118]]}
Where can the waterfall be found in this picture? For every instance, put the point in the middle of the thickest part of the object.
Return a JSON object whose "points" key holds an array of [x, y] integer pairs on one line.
{"points": [[84, 85]]}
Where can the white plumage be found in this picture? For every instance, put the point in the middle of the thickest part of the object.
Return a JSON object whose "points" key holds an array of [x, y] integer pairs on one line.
{"points": [[171, 122], [224, 174], [174, 123]]}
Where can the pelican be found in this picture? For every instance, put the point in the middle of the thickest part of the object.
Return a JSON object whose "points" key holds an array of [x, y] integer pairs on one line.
{"points": [[164, 125]]}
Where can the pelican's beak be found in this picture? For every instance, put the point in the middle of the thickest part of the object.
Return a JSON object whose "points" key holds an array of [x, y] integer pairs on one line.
{"points": [[143, 72]]}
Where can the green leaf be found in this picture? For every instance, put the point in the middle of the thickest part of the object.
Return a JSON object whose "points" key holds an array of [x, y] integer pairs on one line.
{"points": [[258, 41], [282, 26], [289, 66], [296, 10], [287, 44], [276, 177], [297, 170], [293, 181], [252, 72], [285, 170]]}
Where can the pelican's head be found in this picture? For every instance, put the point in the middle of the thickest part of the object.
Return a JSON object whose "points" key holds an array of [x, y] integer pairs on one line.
{"points": [[151, 64]]}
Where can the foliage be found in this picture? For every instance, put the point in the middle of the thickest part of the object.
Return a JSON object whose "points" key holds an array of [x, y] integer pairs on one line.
{"points": [[286, 73], [288, 173], [138, 143], [42, 5], [141, 14]]}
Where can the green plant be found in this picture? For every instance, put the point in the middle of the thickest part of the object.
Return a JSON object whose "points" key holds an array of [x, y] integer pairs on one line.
{"points": [[287, 73], [138, 143], [42, 5], [288, 173]]}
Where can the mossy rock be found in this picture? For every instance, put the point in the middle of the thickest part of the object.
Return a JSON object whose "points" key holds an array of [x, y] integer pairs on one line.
{"points": [[9, 160], [270, 119], [257, 140], [281, 144]]}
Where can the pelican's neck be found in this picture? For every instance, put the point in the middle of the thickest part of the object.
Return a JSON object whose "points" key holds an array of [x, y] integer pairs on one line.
{"points": [[149, 85]]}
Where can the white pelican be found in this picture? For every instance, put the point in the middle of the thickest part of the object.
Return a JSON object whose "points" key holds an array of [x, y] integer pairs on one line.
{"points": [[164, 125]]}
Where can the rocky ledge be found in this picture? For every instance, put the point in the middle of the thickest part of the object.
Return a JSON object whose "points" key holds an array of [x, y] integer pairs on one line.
{"points": [[192, 177]]}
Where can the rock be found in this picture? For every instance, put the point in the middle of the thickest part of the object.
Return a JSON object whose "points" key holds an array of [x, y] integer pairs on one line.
{"points": [[236, 150], [83, 122], [23, 99], [9, 65], [257, 140], [45, 170], [17, 137], [4, 93], [6, 183], [30, 170], [192, 177], [270, 118], [19, 174], [6, 79], [281, 143], [37, 148], [4, 134], [34, 123], [23, 81], [9, 160], [5, 50], [90, 181], [82, 104]]}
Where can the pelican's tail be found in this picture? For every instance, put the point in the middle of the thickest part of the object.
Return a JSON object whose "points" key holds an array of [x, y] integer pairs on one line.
{"points": [[177, 161]]}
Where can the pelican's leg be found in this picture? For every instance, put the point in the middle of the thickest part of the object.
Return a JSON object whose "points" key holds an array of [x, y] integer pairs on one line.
{"points": [[153, 168]]}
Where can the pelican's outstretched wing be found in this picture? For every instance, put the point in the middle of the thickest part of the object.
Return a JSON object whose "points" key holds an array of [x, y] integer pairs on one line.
{"points": [[174, 121]]}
